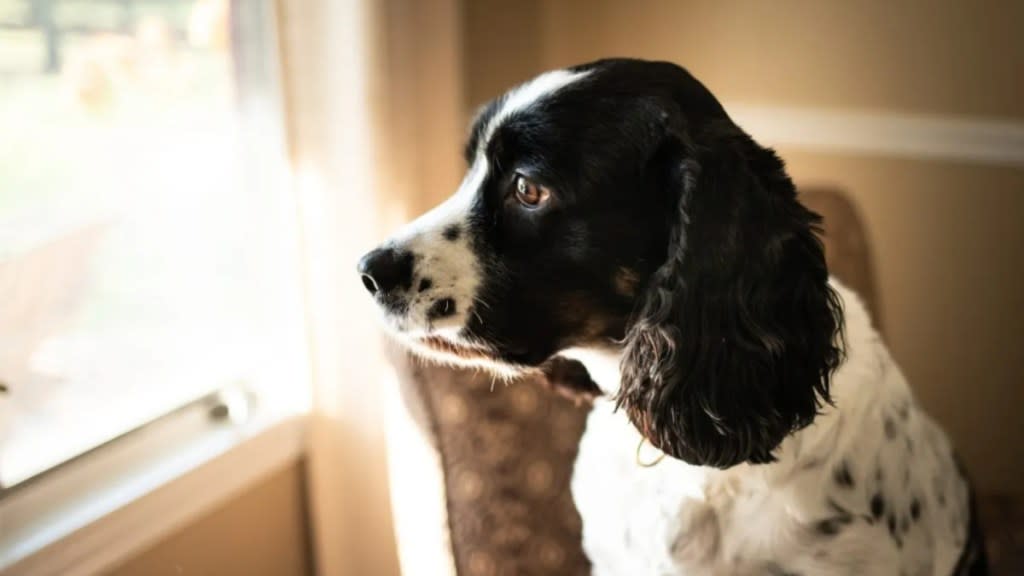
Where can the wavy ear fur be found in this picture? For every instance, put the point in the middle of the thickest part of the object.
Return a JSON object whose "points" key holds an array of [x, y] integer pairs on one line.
{"points": [[737, 334]]}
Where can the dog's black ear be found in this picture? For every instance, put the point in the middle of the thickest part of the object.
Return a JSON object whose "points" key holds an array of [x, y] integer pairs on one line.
{"points": [[736, 335]]}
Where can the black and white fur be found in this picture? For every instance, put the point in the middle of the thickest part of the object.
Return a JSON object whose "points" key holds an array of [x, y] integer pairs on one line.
{"points": [[748, 418]]}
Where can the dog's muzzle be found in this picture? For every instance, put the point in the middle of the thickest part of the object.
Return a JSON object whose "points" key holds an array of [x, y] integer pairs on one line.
{"points": [[425, 278]]}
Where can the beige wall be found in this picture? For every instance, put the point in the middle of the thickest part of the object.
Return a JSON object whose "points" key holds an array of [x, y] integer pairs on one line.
{"points": [[947, 236], [261, 532], [944, 56]]}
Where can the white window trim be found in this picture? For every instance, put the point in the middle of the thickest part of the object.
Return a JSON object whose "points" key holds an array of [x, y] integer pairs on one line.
{"points": [[79, 521], [966, 139]]}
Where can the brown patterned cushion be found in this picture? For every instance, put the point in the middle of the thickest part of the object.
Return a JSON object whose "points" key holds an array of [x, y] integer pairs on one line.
{"points": [[507, 453], [846, 245]]}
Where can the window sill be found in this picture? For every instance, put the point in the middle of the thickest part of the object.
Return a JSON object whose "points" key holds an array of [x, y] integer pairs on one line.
{"points": [[101, 510]]}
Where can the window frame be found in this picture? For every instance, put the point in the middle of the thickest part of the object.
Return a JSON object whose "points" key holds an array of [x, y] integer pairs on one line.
{"points": [[98, 509]]}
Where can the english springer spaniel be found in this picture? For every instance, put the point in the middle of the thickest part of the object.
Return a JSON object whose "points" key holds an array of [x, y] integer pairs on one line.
{"points": [[748, 419]]}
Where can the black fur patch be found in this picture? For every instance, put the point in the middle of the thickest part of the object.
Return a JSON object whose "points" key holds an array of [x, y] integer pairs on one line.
{"points": [[890, 428], [877, 505], [904, 410], [425, 284], [441, 309], [452, 232], [832, 526], [843, 476], [894, 532]]}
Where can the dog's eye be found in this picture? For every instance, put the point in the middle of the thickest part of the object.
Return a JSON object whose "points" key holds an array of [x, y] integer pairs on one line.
{"points": [[530, 194]]}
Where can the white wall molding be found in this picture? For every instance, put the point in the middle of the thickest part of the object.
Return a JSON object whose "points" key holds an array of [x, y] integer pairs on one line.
{"points": [[974, 140]]}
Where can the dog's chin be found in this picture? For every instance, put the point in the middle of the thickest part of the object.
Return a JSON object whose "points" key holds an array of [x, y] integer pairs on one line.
{"points": [[443, 349], [445, 342]]}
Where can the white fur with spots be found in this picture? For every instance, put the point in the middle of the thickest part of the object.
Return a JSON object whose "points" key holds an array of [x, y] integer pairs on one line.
{"points": [[674, 518]]}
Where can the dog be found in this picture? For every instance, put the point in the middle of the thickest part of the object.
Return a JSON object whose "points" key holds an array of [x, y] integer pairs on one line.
{"points": [[747, 418]]}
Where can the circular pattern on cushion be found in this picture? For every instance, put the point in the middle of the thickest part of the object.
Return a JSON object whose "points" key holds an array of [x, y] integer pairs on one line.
{"points": [[508, 452]]}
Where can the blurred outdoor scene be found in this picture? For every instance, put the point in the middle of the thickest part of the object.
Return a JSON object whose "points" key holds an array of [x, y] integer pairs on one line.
{"points": [[131, 265]]}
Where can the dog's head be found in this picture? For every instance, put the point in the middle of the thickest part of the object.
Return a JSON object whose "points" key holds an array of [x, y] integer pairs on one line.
{"points": [[616, 203]]}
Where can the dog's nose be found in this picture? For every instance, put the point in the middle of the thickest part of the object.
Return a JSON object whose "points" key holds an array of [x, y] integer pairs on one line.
{"points": [[386, 270]]}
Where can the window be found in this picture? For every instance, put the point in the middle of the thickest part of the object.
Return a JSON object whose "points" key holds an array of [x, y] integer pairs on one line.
{"points": [[146, 242]]}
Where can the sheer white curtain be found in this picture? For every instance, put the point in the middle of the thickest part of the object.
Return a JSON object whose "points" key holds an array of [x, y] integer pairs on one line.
{"points": [[375, 117]]}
